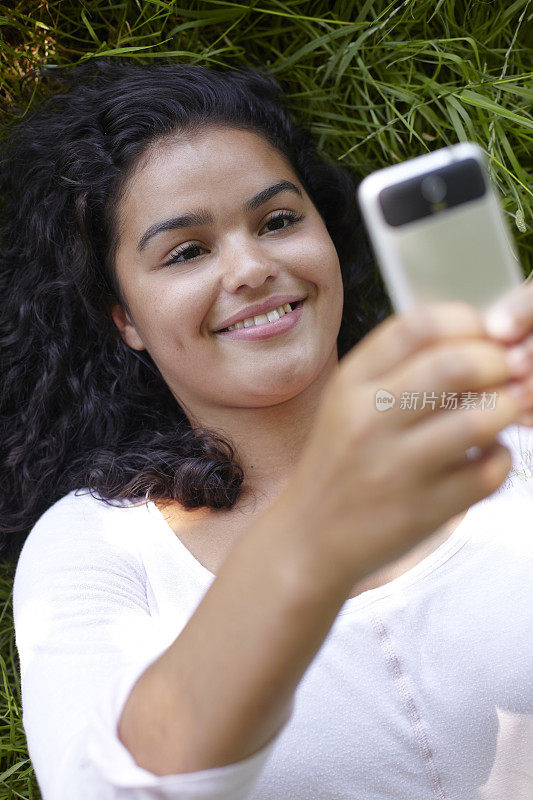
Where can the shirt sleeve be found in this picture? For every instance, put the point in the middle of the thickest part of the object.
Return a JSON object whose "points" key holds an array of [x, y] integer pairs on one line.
{"points": [[84, 636]]}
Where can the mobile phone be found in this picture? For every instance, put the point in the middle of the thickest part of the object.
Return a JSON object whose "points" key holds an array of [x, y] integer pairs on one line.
{"points": [[438, 229]]}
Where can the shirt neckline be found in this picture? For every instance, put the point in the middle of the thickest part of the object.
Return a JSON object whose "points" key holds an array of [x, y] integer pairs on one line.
{"points": [[431, 562], [203, 573]]}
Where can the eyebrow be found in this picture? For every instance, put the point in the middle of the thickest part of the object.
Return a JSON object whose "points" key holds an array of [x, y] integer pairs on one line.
{"points": [[203, 217]]}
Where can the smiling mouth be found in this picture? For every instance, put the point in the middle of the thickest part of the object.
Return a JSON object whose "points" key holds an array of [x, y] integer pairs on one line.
{"points": [[259, 324]]}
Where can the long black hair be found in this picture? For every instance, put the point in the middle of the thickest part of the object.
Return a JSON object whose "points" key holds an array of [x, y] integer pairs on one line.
{"points": [[78, 407]]}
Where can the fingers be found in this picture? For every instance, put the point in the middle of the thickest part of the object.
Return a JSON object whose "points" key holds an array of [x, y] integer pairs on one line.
{"points": [[400, 336], [434, 379], [511, 317], [521, 355], [438, 443], [468, 482]]}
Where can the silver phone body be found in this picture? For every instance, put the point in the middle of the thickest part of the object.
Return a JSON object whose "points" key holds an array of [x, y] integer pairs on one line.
{"points": [[460, 251]]}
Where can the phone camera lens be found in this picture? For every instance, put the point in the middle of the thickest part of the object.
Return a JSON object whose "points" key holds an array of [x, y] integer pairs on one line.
{"points": [[433, 188]]}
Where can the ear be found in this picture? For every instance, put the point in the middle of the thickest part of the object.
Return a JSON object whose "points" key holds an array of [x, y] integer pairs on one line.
{"points": [[126, 327]]}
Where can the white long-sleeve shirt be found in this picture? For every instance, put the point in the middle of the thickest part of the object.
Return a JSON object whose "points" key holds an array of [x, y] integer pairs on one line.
{"points": [[422, 689]]}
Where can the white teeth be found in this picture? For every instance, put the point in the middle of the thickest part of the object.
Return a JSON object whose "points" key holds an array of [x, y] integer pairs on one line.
{"points": [[261, 319]]}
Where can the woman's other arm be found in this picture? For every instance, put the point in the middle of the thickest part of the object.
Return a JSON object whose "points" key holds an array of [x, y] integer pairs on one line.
{"points": [[225, 686]]}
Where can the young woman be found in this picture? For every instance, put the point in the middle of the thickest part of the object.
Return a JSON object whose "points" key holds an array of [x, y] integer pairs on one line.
{"points": [[242, 580]]}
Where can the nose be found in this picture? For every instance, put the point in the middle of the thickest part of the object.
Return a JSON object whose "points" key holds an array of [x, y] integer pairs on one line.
{"points": [[246, 262]]}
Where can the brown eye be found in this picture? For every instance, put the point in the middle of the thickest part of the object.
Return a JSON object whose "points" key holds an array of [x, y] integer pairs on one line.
{"points": [[177, 255], [290, 216]]}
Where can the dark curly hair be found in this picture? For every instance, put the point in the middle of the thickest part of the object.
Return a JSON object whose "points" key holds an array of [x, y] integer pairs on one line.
{"points": [[78, 407]]}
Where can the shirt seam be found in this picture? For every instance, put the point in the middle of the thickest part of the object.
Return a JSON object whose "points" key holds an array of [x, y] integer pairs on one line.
{"points": [[407, 700]]}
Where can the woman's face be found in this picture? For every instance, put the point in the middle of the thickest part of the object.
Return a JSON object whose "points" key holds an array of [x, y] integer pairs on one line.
{"points": [[236, 254]]}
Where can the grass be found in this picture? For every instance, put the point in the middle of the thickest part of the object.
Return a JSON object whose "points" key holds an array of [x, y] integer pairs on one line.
{"points": [[377, 82], [16, 773]]}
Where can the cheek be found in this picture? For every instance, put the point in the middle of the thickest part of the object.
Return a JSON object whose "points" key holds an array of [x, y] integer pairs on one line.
{"points": [[322, 251], [326, 268], [164, 320]]}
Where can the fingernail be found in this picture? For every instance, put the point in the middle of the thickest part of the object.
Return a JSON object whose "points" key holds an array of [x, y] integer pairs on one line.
{"points": [[522, 393], [518, 361], [500, 323]]}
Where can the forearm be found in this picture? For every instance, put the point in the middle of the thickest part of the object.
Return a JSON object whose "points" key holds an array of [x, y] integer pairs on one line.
{"points": [[225, 686]]}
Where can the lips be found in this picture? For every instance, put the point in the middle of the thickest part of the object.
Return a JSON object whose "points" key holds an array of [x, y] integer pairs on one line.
{"points": [[268, 330], [259, 308]]}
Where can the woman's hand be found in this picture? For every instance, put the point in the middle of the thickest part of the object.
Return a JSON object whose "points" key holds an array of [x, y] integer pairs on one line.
{"points": [[373, 482], [510, 322]]}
